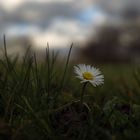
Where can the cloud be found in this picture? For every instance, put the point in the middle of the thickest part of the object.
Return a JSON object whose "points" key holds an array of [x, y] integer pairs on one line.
{"points": [[118, 7], [12, 4], [61, 34], [45, 21], [9, 5], [40, 14], [59, 21]]}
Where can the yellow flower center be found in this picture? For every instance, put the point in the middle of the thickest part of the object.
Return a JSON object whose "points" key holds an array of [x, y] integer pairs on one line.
{"points": [[88, 76]]}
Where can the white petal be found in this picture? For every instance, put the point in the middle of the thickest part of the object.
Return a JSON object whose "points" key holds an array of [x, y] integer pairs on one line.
{"points": [[98, 77]]}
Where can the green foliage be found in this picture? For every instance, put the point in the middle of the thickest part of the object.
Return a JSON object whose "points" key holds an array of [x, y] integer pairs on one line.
{"points": [[40, 101]]}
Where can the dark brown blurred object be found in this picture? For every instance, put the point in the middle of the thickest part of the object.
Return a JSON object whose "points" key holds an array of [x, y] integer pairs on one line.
{"points": [[70, 120], [5, 131], [119, 44]]}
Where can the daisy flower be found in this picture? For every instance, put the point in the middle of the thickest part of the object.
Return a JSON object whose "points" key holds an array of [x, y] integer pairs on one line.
{"points": [[87, 73]]}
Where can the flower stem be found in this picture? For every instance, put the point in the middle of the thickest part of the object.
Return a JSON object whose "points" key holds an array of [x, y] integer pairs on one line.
{"points": [[83, 91]]}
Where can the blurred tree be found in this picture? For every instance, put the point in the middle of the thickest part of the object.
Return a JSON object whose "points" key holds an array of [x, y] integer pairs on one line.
{"points": [[115, 44]]}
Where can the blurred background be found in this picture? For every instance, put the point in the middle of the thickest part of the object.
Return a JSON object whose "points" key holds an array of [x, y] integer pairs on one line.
{"points": [[104, 31]]}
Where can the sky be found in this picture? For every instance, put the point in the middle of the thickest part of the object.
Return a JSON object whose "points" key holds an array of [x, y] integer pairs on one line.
{"points": [[59, 22]]}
